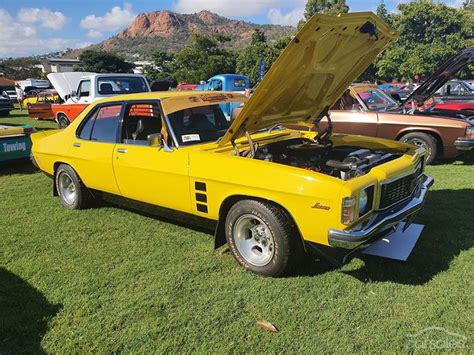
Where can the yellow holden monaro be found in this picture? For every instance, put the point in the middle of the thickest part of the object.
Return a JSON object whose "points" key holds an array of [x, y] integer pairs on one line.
{"points": [[274, 192]]}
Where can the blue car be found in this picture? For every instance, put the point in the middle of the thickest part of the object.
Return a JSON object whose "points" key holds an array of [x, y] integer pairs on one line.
{"points": [[226, 82]]}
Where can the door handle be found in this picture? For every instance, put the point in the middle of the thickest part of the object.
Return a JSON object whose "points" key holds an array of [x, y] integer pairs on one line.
{"points": [[121, 150], [77, 145]]}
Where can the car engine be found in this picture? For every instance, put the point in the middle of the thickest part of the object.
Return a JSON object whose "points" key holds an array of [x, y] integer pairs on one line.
{"points": [[344, 162]]}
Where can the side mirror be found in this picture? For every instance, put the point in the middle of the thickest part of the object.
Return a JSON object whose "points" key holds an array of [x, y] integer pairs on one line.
{"points": [[156, 140], [73, 93]]}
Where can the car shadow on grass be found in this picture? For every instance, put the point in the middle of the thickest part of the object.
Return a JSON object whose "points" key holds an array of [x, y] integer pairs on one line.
{"points": [[161, 214], [447, 216], [19, 166], [448, 231], [465, 159], [24, 315]]}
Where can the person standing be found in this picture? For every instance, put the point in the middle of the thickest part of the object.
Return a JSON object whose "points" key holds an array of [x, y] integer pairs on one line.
{"points": [[19, 96]]}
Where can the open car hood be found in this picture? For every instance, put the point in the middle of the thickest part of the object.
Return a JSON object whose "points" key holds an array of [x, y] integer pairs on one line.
{"points": [[65, 83], [318, 65], [441, 76]]}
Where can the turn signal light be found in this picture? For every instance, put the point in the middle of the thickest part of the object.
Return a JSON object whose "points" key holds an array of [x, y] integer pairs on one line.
{"points": [[348, 210]]}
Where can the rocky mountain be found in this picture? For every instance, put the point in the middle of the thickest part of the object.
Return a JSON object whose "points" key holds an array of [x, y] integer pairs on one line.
{"points": [[169, 31]]}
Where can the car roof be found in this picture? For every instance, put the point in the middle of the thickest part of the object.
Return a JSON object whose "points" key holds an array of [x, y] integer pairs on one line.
{"points": [[156, 95]]}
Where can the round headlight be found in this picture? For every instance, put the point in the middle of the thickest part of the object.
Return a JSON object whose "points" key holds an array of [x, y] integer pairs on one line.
{"points": [[363, 200]]}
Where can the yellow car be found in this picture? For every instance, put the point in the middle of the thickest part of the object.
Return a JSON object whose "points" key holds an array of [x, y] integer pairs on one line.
{"points": [[45, 96], [273, 192]]}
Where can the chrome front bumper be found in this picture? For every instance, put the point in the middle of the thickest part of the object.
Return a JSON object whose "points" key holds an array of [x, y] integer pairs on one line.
{"points": [[464, 144], [381, 223]]}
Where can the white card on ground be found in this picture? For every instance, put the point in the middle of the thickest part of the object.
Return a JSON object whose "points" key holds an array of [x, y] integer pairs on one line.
{"points": [[398, 245]]}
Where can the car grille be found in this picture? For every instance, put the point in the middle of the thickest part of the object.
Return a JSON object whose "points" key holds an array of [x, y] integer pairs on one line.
{"points": [[397, 191]]}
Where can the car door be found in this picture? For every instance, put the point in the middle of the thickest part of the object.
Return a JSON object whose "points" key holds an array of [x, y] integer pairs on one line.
{"points": [[93, 146], [145, 173]]}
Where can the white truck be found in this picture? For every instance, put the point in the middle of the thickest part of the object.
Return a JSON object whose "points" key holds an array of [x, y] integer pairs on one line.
{"points": [[90, 87]]}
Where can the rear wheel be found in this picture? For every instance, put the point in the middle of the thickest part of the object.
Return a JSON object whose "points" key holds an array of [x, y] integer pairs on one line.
{"points": [[261, 237], [63, 121], [424, 140], [72, 192]]}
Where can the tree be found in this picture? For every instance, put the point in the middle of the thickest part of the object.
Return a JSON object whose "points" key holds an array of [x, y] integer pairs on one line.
{"points": [[103, 62], [248, 60], [330, 7], [429, 34], [468, 5], [20, 68], [161, 68], [383, 13], [258, 37], [202, 59]]}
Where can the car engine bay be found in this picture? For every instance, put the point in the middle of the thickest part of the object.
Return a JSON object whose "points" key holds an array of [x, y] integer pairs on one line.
{"points": [[344, 162]]}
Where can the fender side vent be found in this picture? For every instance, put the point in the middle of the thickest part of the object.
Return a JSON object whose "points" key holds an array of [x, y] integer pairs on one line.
{"points": [[201, 208], [200, 186], [201, 197]]}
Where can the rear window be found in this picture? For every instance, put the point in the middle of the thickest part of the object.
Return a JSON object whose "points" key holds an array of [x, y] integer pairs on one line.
{"points": [[121, 85]]}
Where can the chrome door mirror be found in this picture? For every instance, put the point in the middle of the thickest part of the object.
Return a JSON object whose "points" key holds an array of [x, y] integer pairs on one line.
{"points": [[155, 140]]}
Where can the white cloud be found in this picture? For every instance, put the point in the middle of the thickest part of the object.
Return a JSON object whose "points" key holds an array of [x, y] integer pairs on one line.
{"points": [[455, 3], [45, 17], [291, 18], [113, 20], [233, 8], [19, 38]]}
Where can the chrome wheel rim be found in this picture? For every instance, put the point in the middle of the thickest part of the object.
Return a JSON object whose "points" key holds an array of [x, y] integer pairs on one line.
{"points": [[63, 123], [420, 143], [254, 240], [67, 189]]}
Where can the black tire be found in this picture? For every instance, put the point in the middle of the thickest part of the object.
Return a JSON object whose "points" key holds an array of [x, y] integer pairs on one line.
{"points": [[425, 140], [284, 237], [81, 197], [63, 121]]}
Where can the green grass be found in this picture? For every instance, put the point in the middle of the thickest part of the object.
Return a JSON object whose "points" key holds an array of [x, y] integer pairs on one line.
{"points": [[18, 117], [109, 279]]}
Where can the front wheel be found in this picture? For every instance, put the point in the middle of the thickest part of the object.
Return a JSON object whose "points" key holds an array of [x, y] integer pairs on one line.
{"points": [[72, 193], [63, 121], [261, 237], [424, 140]]}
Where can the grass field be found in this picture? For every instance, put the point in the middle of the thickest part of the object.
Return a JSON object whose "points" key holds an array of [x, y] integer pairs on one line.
{"points": [[112, 280]]}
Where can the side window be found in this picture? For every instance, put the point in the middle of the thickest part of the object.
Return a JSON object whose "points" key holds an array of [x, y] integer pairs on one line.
{"points": [[240, 83], [216, 85], [106, 123], [140, 121], [84, 88]]}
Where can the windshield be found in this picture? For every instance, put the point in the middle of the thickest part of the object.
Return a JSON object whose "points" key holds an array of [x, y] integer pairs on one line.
{"points": [[200, 124], [121, 85], [377, 100]]}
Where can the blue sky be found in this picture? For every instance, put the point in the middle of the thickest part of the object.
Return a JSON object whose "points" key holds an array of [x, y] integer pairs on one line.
{"points": [[42, 26]]}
